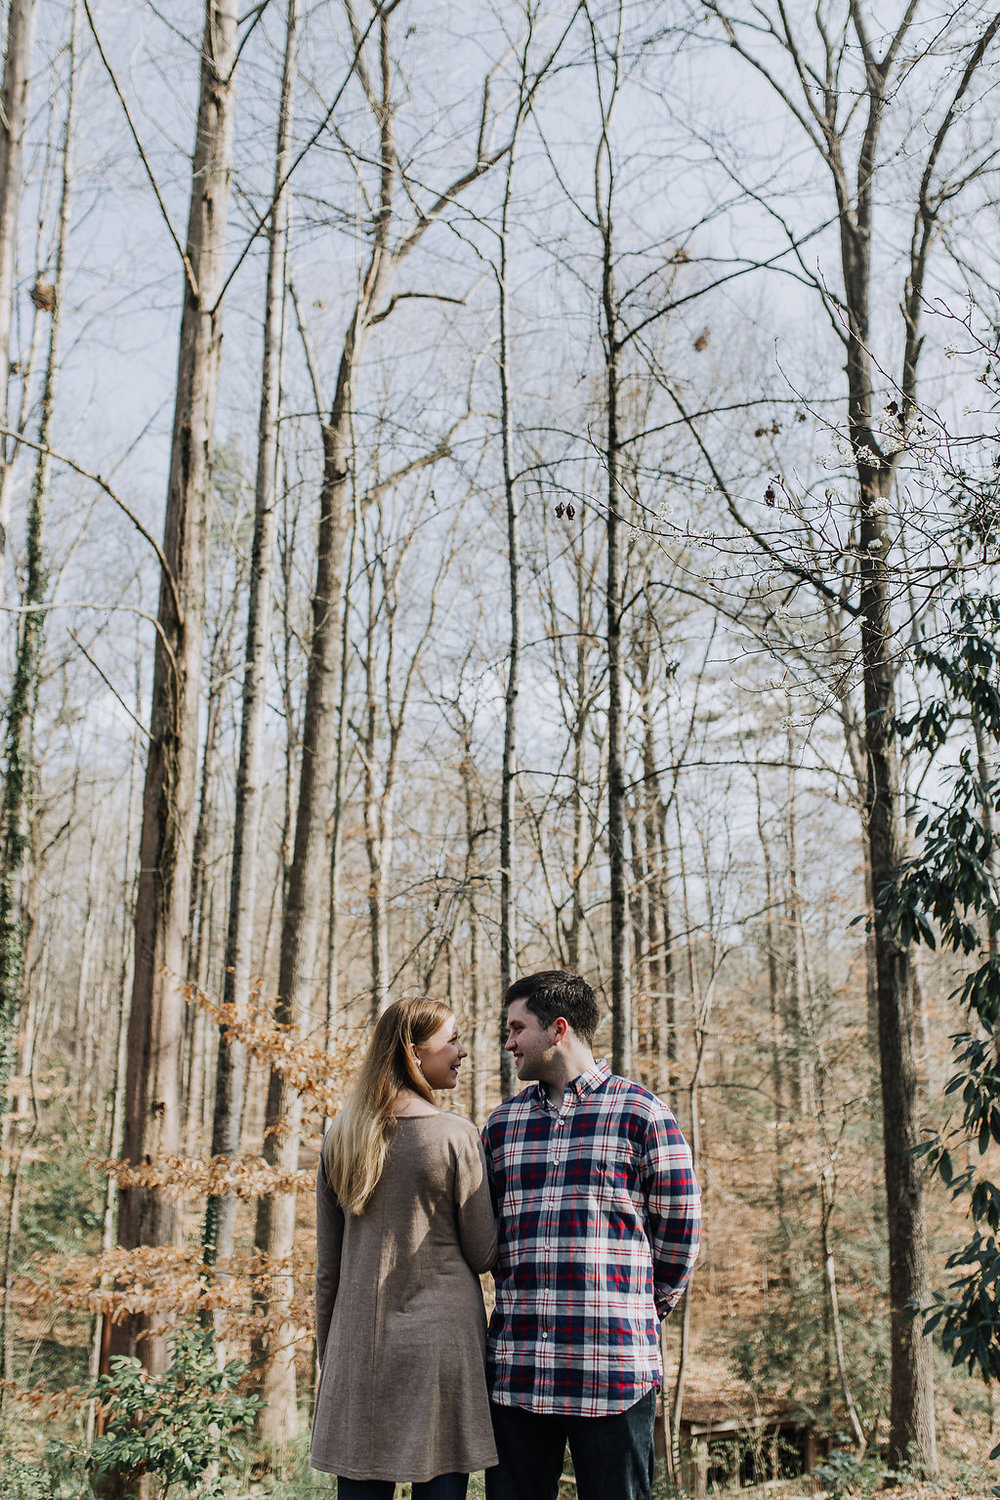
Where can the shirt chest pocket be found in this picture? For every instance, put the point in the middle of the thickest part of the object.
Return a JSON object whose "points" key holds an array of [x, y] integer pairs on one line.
{"points": [[615, 1177]]}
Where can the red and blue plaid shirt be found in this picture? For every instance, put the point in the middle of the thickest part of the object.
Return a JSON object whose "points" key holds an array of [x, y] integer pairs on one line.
{"points": [[600, 1219]]}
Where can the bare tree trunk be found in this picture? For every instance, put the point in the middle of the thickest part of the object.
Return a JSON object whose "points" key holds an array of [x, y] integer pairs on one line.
{"points": [[374, 809], [578, 729], [477, 1087], [231, 1061], [826, 1210], [100, 1347], [775, 1019], [15, 852], [659, 961], [801, 1073], [307, 873], [638, 903], [508, 934], [305, 906], [911, 1402], [84, 1019], [18, 815], [620, 994], [156, 1022], [13, 123], [337, 821]]}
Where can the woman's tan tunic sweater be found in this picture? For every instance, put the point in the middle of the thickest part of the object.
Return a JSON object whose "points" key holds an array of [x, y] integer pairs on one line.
{"points": [[400, 1324]]}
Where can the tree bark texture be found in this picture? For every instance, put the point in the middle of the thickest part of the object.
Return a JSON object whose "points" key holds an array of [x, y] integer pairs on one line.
{"points": [[156, 1022]]}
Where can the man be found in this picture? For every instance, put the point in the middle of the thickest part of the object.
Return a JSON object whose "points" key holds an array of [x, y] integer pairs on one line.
{"points": [[599, 1217]]}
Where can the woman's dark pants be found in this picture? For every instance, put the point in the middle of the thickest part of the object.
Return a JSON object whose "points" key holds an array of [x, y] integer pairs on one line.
{"points": [[443, 1487]]}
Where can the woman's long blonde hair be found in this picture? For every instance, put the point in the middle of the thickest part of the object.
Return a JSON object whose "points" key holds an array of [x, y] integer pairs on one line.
{"points": [[355, 1149]]}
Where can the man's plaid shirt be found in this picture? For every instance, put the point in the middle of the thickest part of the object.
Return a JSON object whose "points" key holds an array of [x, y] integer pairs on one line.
{"points": [[600, 1219]]}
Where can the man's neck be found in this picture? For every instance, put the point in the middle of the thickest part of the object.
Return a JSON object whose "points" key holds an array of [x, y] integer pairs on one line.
{"points": [[568, 1064]]}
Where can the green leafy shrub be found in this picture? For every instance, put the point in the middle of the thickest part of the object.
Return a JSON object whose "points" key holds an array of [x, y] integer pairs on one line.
{"points": [[175, 1426], [842, 1473]]}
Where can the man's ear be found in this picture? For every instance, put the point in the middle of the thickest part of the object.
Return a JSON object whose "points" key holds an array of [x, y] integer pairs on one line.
{"points": [[560, 1026]]}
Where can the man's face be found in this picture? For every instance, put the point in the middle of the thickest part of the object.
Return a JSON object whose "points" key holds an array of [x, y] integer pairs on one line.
{"points": [[532, 1046]]}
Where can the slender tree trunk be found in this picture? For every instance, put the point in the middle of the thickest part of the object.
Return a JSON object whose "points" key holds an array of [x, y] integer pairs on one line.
{"points": [[508, 932], [231, 1058], [638, 904], [620, 994], [15, 851], [374, 810], [826, 1211], [100, 1347], [477, 1087], [84, 1019], [18, 817], [156, 1022], [337, 825], [13, 124], [911, 1401], [775, 1020], [911, 1413], [305, 902], [579, 731], [657, 911], [803, 1100], [305, 906]]}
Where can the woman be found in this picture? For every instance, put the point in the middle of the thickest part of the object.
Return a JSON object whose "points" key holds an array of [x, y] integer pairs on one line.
{"points": [[404, 1225]]}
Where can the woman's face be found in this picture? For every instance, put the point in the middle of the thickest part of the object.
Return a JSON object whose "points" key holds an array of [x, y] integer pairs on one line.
{"points": [[440, 1057]]}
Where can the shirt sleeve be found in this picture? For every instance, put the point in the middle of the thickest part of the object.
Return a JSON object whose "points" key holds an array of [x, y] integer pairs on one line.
{"points": [[329, 1243], [477, 1229], [673, 1208]]}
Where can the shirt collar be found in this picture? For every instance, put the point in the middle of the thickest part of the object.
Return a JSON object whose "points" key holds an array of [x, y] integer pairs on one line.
{"points": [[584, 1084]]}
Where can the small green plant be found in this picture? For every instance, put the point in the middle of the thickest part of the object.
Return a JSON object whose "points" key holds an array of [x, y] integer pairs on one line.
{"points": [[20, 1480], [842, 1473], [175, 1426]]}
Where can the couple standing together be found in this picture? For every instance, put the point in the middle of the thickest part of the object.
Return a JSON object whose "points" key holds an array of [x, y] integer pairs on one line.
{"points": [[580, 1199]]}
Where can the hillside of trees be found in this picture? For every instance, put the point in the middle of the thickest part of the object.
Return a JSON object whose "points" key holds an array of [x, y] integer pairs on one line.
{"points": [[484, 488]]}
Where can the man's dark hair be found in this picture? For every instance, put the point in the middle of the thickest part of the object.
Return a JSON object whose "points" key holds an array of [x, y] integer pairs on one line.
{"points": [[556, 992]]}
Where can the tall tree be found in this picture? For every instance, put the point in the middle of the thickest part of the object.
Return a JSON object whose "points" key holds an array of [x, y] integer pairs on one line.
{"points": [[156, 1021], [392, 240], [837, 83], [607, 63], [17, 820], [231, 1061], [13, 124]]}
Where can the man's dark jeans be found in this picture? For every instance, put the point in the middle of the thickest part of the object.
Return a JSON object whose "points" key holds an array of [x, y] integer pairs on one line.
{"points": [[612, 1456]]}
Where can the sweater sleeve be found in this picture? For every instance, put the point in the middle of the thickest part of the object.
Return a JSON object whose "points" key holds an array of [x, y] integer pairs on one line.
{"points": [[477, 1230], [329, 1242]]}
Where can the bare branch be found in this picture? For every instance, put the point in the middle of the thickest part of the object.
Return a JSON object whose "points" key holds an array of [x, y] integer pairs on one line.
{"points": [[185, 262], [70, 463]]}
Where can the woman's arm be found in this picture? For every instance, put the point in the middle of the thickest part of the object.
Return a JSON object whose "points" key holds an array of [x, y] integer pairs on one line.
{"points": [[477, 1229], [329, 1241]]}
